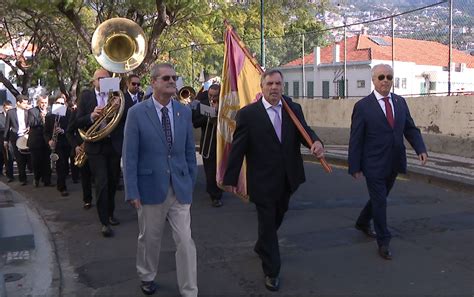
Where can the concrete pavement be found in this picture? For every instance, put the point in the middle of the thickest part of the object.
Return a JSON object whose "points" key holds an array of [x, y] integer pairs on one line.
{"points": [[322, 254]]}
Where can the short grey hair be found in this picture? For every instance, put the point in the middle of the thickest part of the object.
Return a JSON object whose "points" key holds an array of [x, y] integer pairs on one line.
{"points": [[381, 66], [155, 70]]}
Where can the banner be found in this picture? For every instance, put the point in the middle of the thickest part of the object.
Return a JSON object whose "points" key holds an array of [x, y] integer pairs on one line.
{"points": [[240, 86]]}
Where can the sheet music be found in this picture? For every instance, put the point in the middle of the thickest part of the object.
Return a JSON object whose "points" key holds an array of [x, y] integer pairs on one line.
{"points": [[208, 111], [58, 109]]}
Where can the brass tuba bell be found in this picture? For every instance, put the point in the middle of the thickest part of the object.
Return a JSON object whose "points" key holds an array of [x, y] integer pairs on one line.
{"points": [[186, 94], [119, 46]]}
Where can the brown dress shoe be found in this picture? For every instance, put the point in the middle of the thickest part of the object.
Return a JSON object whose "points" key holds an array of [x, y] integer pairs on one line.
{"points": [[272, 283], [385, 252], [366, 230]]}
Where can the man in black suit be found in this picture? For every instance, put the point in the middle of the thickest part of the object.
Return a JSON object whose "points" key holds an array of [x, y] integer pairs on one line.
{"points": [[207, 144], [6, 157], [133, 94], [376, 150], [16, 125], [76, 142], [56, 126], [104, 155], [37, 144], [270, 142]]}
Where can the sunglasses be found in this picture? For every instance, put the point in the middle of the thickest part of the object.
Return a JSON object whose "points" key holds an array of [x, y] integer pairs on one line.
{"points": [[382, 77], [135, 84], [168, 77]]}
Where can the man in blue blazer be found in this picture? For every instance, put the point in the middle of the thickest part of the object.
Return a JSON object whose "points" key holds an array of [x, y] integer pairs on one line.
{"points": [[376, 150], [160, 169]]}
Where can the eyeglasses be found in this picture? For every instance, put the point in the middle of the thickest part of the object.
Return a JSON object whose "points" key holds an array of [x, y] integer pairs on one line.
{"points": [[168, 77], [382, 77], [135, 84]]}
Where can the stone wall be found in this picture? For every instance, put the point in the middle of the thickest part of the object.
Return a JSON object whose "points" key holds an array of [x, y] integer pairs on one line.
{"points": [[447, 123]]}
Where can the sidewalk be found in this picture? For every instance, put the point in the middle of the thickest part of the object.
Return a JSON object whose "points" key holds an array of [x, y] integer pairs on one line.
{"points": [[439, 168]]}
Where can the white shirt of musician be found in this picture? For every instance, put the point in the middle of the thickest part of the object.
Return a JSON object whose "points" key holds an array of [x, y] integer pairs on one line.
{"points": [[20, 113]]}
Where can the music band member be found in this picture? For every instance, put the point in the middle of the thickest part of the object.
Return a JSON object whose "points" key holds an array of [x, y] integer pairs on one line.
{"points": [[16, 126], [37, 144], [270, 141], [207, 144], [6, 157], [133, 93], [104, 155], [54, 132], [76, 142]]}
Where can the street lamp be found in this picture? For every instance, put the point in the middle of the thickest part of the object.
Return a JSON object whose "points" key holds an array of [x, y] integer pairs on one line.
{"points": [[193, 45]]}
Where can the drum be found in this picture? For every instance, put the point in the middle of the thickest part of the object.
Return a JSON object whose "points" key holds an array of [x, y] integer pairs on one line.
{"points": [[21, 144]]}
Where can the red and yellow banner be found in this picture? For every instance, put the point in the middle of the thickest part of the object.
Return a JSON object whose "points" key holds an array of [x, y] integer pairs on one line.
{"points": [[240, 86]]}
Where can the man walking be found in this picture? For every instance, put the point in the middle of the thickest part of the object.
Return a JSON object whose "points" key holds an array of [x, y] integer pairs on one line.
{"points": [[376, 150]]}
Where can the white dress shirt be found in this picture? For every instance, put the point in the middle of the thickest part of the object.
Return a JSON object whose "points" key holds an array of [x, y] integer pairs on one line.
{"points": [[158, 108], [382, 103], [21, 114]]}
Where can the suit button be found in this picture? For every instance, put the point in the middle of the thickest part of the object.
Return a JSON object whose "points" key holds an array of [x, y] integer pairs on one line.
{"points": [[167, 171], [169, 156]]}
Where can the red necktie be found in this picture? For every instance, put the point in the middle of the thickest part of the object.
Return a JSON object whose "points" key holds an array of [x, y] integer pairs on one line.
{"points": [[389, 112]]}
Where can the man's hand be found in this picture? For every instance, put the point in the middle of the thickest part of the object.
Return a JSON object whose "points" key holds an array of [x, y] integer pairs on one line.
{"points": [[423, 158], [135, 203], [51, 144], [357, 175], [79, 150], [96, 113], [317, 149]]}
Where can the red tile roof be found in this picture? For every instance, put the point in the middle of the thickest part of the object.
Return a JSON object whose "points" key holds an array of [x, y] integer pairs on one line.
{"points": [[363, 48]]}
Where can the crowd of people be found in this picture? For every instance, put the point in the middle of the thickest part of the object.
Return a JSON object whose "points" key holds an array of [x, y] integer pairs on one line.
{"points": [[153, 146]]}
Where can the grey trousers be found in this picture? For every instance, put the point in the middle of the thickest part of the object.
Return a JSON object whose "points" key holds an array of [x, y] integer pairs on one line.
{"points": [[151, 220]]}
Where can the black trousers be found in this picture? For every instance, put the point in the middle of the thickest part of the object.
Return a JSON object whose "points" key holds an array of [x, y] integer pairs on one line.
{"points": [[21, 162], [62, 167], [270, 216], [105, 168], [86, 182], [8, 162], [41, 164], [376, 208], [211, 185]]}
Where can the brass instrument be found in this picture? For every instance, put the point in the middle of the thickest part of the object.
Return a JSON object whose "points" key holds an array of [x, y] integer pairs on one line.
{"points": [[53, 157], [119, 45], [207, 141], [186, 94]]}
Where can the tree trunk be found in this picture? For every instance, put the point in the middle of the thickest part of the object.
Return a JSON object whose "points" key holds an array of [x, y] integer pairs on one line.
{"points": [[8, 85]]}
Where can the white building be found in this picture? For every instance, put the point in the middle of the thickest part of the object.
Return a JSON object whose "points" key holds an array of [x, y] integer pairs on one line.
{"points": [[420, 68]]}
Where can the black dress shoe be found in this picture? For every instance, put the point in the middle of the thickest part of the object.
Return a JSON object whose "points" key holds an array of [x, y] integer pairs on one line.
{"points": [[64, 193], [366, 230], [87, 205], [272, 283], [385, 253], [37, 183], [113, 221], [148, 288], [24, 183], [216, 203], [107, 231], [10, 179]]}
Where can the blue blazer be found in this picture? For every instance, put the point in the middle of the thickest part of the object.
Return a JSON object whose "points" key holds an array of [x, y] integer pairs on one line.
{"points": [[149, 167], [375, 148]]}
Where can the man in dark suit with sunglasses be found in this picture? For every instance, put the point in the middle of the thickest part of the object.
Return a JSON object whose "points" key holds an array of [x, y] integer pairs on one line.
{"points": [[376, 150], [133, 94]]}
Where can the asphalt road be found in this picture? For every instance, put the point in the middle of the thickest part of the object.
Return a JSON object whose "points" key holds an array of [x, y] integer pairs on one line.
{"points": [[322, 254]]}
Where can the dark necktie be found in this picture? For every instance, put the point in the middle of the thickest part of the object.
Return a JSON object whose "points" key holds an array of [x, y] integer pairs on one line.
{"points": [[277, 121], [166, 123], [389, 112]]}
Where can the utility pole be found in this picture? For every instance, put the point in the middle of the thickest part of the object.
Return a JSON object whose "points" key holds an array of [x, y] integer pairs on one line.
{"points": [[262, 35]]}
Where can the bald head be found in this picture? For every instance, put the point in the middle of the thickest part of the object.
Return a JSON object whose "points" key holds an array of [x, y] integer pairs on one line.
{"points": [[99, 74]]}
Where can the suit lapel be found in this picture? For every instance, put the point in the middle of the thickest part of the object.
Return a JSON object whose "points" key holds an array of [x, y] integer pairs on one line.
{"points": [[153, 116], [179, 128], [396, 110]]}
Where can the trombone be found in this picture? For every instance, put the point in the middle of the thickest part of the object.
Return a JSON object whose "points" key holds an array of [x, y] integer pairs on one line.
{"points": [[208, 139]]}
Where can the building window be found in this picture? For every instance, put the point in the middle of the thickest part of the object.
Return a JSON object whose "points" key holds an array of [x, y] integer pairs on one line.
{"points": [[296, 89], [396, 84], [404, 83], [310, 90], [361, 84], [286, 87], [432, 86]]}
